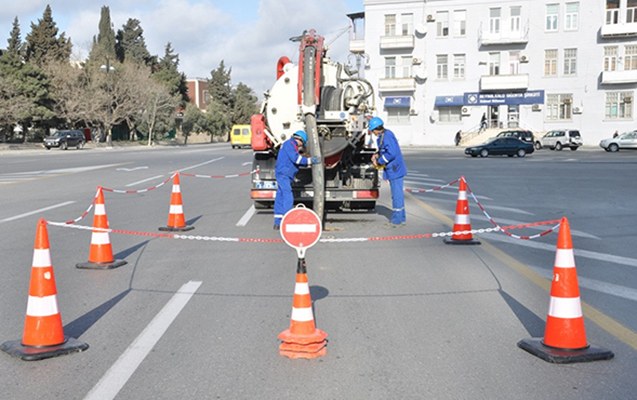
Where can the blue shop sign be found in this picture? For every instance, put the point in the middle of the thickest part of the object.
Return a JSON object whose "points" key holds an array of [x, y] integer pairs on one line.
{"points": [[449, 101], [397, 102], [510, 99]]}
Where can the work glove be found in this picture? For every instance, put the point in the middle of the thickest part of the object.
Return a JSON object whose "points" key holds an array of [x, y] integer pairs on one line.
{"points": [[315, 160]]}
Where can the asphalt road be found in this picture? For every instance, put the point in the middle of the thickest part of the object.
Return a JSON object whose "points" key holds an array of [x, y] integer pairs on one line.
{"points": [[407, 317]]}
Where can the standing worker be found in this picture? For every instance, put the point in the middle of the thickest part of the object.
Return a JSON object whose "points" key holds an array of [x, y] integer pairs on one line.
{"points": [[287, 165], [391, 158]]}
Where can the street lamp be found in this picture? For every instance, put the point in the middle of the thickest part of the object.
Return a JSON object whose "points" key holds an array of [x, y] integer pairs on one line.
{"points": [[107, 68]]}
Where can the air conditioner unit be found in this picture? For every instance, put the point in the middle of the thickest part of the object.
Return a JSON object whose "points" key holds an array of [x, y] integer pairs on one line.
{"points": [[628, 99], [536, 107], [430, 18], [413, 112], [416, 61], [568, 100], [578, 110], [524, 59], [465, 111]]}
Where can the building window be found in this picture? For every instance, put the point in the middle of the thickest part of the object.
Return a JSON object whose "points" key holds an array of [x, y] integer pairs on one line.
{"points": [[390, 25], [398, 115], [390, 67], [631, 11], [552, 14], [612, 12], [571, 18], [515, 18], [442, 23], [459, 61], [550, 62], [406, 62], [630, 58], [558, 107], [407, 24], [442, 66], [494, 63], [449, 114], [570, 61], [619, 105], [494, 20], [514, 62], [459, 23], [610, 58]]}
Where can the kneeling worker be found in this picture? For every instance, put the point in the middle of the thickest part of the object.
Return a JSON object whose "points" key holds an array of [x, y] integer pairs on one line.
{"points": [[288, 162]]}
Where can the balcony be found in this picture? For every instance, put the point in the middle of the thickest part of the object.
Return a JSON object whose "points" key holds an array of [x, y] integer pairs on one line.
{"points": [[504, 82], [397, 42], [504, 36], [618, 77], [396, 84], [620, 29], [357, 46]]}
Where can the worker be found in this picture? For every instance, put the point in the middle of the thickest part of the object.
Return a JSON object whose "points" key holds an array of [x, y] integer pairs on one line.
{"points": [[287, 165], [390, 156]]}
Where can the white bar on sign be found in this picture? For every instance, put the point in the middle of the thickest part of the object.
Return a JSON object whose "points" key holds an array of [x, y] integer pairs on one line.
{"points": [[300, 228]]}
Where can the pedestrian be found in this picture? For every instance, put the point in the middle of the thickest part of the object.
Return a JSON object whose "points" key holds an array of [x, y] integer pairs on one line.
{"points": [[483, 122], [615, 134], [390, 157], [287, 165], [458, 137]]}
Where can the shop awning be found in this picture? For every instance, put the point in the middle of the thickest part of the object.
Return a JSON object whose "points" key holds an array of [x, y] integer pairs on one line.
{"points": [[449, 101], [397, 102]]}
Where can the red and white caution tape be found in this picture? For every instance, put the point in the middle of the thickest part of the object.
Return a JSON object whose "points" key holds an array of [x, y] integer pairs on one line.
{"points": [[433, 189], [219, 176], [120, 191]]}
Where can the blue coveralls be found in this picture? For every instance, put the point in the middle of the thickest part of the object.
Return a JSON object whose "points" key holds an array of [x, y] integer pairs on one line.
{"points": [[287, 165], [390, 156]]}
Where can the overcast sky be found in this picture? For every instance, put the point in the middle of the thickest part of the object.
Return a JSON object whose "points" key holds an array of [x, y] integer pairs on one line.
{"points": [[249, 35]]}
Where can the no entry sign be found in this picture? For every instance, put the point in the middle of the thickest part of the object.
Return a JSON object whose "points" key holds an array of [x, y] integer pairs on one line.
{"points": [[301, 229]]}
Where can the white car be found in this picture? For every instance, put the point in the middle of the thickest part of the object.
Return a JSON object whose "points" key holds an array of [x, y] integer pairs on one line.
{"points": [[627, 140], [558, 139]]}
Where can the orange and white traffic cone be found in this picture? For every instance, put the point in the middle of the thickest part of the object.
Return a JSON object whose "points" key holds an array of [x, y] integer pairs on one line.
{"points": [[100, 252], [302, 339], [462, 221], [564, 335], [43, 335], [176, 218]]}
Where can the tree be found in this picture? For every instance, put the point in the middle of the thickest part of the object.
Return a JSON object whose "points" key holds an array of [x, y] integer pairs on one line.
{"points": [[130, 44], [103, 48], [245, 104], [159, 108], [15, 47], [219, 86], [167, 72], [43, 44]]}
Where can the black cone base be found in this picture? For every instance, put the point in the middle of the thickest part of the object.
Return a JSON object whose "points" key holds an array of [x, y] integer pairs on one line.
{"points": [[91, 265], [451, 240], [15, 348], [173, 229], [564, 356]]}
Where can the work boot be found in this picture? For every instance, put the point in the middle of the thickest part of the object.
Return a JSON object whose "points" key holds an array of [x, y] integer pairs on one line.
{"points": [[276, 227]]}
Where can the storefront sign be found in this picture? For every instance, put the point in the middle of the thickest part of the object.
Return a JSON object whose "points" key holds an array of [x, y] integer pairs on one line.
{"points": [[511, 99]]}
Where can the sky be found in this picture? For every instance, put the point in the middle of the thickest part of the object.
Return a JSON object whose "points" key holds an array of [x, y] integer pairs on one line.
{"points": [[248, 35]]}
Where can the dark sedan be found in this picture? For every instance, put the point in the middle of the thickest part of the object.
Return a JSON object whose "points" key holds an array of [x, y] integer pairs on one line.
{"points": [[501, 146]]}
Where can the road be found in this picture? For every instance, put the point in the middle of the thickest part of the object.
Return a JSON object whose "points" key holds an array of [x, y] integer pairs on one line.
{"points": [[407, 317]]}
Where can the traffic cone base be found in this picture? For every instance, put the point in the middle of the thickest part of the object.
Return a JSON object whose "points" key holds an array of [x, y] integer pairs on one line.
{"points": [[176, 229], [451, 240], [536, 347], [15, 348], [111, 265], [291, 351], [318, 336]]}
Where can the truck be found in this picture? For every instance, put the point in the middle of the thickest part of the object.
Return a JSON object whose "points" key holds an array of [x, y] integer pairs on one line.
{"points": [[332, 104]]}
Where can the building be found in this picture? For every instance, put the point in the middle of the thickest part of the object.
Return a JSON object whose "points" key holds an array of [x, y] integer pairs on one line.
{"points": [[198, 92], [439, 66]]}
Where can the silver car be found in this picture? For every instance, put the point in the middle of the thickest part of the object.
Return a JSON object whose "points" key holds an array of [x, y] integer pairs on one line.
{"points": [[558, 139], [627, 140]]}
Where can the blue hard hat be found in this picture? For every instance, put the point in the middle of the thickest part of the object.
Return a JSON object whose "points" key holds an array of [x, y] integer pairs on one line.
{"points": [[301, 135], [375, 123]]}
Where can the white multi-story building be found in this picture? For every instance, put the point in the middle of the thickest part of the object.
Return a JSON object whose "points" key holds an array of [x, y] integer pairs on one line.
{"points": [[439, 66]]}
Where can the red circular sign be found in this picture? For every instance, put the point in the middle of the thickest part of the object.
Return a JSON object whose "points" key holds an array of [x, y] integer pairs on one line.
{"points": [[301, 228]]}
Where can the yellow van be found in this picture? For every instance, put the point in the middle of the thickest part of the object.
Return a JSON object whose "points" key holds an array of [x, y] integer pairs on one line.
{"points": [[240, 136]]}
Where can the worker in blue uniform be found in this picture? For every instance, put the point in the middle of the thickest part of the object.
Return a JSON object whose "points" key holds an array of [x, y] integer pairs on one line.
{"points": [[288, 162], [390, 158]]}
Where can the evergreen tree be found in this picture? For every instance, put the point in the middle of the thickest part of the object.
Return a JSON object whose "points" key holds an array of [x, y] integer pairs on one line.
{"points": [[15, 47], [167, 73], [245, 104], [43, 44], [130, 44], [219, 86], [103, 49]]}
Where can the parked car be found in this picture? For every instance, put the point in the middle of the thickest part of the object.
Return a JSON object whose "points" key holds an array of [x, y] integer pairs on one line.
{"points": [[558, 139], [65, 139], [627, 140], [509, 146], [522, 134]]}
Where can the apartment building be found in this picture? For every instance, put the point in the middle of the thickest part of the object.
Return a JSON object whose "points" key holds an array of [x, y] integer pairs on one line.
{"points": [[440, 66], [198, 92]]}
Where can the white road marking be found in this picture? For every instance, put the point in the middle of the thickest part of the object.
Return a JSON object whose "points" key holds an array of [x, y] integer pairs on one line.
{"points": [[246, 163], [130, 169], [247, 216], [144, 180], [199, 165], [66, 203], [120, 372]]}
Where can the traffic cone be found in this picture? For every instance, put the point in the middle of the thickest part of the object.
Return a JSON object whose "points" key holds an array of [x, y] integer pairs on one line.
{"points": [[462, 221], [302, 339], [176, 218], [100, 252], [564, 335], [43, 335]]}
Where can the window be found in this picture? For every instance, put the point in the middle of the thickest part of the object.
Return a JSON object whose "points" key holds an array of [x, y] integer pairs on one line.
{"points": [[552, 13], [571, 18], [390, 25], [449, 114], [390, 67], [460, 23], [514, 62], [515, 18], [442, 23], [610, 58], [612, 12], [442, 65], [494, 63], [570, 61], [558, 107], [550, 62], [407, 23], [459, 61], [630, 58], [631, 11], [494, 20], [406, 64], [619, 105], [398, 115]]}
